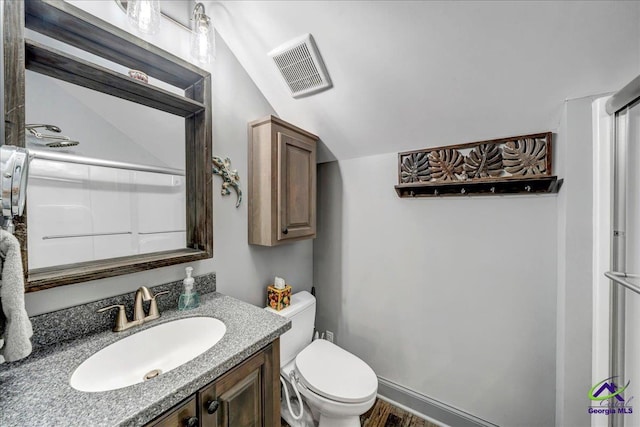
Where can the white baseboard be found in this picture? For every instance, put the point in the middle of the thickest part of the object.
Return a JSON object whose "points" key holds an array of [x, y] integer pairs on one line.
{"points": [[426, 407]]}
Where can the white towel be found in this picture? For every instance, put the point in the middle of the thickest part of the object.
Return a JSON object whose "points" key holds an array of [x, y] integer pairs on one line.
{"points": [[18, 330]]}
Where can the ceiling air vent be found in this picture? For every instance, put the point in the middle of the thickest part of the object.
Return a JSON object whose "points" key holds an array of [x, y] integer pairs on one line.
{"points": [[301, 67]]}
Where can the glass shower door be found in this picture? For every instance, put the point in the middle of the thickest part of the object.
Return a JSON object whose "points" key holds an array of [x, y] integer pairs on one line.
{"points": [[625, 303]]}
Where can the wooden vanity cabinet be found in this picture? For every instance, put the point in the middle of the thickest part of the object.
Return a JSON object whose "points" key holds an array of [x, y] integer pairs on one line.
{"points": [[282, 182], [246, 396]]}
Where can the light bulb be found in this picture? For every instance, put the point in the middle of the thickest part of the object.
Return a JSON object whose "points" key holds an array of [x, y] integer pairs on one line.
{"points": [[144, 15], [203, 47]]}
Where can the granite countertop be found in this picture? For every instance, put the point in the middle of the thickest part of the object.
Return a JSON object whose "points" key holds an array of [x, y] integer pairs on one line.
{"points": [[36, 392]]}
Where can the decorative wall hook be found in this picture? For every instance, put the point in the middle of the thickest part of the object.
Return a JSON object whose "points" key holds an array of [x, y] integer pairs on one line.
{"points": [[229, 176]]}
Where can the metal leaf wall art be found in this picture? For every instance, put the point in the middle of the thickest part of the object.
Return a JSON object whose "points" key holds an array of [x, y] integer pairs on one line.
{"points": [[483, 161], [525, 157], [445, 164], [415, 168], [506, 165]]}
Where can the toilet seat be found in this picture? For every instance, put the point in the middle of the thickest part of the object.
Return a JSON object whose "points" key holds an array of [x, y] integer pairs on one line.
{"points": [[335, 374]]}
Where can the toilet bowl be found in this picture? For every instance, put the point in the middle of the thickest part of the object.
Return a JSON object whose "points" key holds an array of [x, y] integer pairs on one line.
{"points": [[337, 385]]}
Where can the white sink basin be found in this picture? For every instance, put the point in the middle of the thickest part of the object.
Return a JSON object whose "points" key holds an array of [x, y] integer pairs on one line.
{"points": [[147, 354]]}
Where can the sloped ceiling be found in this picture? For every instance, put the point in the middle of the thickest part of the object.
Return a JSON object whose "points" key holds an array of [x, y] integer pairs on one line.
{"points": [[414, 74]]}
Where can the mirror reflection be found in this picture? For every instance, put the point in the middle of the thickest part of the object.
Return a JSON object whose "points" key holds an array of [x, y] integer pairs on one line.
{"points": [[81, 204]]}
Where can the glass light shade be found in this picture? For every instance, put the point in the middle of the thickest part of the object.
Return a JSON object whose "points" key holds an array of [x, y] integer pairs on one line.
{"points": [[203, 42], [144, 15]]}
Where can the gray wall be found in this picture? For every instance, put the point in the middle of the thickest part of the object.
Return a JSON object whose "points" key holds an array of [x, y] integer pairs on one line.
{"points": [[454, 298], [243, 271]]}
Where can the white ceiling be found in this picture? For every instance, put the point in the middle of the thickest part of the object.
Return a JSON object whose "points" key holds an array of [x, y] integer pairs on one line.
{"points": [[414, 74]]}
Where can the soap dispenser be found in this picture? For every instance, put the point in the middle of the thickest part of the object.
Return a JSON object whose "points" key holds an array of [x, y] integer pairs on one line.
{"points": [[189, 298]]}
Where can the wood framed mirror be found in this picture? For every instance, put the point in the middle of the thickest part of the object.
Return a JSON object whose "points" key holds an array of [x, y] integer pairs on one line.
{"points": [[68, 24]]}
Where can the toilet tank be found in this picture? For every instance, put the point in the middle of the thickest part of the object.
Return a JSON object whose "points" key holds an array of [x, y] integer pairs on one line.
{"points": [[302, 313]]}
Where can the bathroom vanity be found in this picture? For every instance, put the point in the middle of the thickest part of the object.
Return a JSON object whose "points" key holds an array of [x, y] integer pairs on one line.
{"points": [[234, 383]]}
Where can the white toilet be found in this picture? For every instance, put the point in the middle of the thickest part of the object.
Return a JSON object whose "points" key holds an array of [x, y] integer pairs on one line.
{"points": [[337, 386]]}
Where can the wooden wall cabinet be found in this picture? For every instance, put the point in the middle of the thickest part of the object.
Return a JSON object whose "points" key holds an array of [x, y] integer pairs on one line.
{"points": [[282, 182], [246, 396]]}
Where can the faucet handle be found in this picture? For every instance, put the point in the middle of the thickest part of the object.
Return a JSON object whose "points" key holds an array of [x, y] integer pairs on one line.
{"points": [[153, 307], [121, 319]]}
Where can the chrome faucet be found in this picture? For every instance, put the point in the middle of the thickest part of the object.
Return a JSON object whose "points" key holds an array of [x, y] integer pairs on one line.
{"points": [[139, 317]]}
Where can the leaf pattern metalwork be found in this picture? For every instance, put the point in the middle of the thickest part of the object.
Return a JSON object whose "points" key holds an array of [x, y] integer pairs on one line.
{"points": [[525, 157], [483, 161], [415, 168], [445, 164]]}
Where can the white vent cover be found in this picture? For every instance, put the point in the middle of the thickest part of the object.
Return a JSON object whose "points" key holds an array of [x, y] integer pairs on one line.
{"points": [[301, 66]]}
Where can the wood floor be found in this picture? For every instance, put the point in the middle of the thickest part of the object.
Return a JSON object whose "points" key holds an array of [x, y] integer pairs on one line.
{"points": [[383, 414]]}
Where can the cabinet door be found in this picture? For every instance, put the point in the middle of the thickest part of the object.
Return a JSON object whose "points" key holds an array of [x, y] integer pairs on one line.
{"points": [[236, 399], [297, 187], [242, 403]]}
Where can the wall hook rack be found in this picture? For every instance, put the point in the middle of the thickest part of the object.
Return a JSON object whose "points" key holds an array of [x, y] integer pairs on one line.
{"points": [[515, 165]]}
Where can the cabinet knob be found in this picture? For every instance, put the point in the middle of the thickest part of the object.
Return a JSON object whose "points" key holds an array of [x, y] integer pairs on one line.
{"points": [[191, 422], [212, 406], [285, 231]]}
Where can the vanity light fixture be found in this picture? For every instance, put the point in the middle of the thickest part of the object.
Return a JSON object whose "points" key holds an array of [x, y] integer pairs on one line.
{"points": [[203, 42], [144, 15]]}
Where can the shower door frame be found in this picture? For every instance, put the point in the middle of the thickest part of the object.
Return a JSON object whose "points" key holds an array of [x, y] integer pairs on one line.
{"points": [[618, 107]]}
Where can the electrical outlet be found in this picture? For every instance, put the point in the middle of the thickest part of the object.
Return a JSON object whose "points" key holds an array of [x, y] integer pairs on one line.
{"points": [[329, 336]]}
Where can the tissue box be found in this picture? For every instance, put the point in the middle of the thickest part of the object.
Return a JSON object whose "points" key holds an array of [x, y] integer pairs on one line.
{"points": [[278, 298]]}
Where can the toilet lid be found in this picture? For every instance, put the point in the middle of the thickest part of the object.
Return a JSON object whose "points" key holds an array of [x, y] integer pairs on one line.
{"points": [[335, 373]]}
